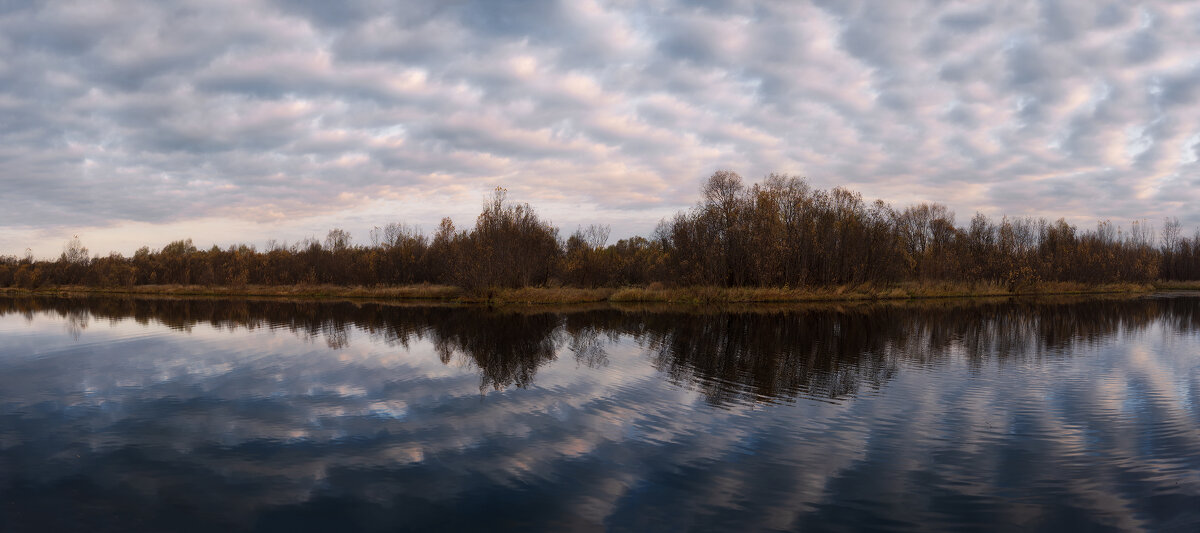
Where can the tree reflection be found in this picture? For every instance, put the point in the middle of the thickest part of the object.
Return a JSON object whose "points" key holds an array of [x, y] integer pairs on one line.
{"points": [[506, 347], [729, 355]]}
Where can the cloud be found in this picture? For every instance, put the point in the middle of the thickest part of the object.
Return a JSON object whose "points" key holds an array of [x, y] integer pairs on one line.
{"points": [[174, 112]]}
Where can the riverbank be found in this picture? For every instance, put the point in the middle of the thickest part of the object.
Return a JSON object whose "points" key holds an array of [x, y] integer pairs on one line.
{"points": [[653, 294]]}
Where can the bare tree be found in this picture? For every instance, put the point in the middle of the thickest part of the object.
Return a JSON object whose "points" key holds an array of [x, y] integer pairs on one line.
{"points": [[74, 252]]}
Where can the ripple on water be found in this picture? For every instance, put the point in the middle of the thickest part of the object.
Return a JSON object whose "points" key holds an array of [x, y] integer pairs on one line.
{"points": [[1054, 415]]}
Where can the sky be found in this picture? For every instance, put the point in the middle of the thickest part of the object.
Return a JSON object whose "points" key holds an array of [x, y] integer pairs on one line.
{"points": [[239, 121]]}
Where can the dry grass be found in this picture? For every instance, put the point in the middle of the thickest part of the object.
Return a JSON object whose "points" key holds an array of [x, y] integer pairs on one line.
{"points": [[652, 294], [540, 295], [1178, 285], [406, 292], [861, 292]]}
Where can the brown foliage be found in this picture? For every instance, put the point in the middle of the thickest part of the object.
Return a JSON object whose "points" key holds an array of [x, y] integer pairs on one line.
{"points": [[778, 233]]}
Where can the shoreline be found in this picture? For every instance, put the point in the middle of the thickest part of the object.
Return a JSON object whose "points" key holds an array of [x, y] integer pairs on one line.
{"points": [[571, 295]]}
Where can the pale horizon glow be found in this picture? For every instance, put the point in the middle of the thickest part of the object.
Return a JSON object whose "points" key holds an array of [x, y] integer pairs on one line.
{"points": [[240, 121]]}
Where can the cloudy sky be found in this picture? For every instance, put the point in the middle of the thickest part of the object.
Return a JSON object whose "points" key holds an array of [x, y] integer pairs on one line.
{"points": [[237, 121]]}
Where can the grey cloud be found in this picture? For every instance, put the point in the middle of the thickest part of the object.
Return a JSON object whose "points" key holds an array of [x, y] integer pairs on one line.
{"points": [[334, 14], [541, 19], [214, 107], [1142, 47], [1057, 21], [1026, 64], [873, 35], [1176, 90], [966, 21], [1112, 14]]}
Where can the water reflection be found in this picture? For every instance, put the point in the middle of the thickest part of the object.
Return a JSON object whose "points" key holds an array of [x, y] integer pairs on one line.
{"points": [[175, 415], [730, 355]]}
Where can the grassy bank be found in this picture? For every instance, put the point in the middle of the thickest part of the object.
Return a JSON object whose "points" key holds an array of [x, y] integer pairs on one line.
{"points": [[405, 292], [1177, 285], [901, 291], [565, 295]]}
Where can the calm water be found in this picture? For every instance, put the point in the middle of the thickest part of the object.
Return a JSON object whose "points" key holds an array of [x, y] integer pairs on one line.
{"points": [[201, 415]]}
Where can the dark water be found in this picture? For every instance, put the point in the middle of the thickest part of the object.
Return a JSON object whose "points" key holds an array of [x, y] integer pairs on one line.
{"points": [[201, 415]]}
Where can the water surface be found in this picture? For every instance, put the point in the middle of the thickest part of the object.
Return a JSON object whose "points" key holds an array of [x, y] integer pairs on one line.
{"points": [[200, 415]]}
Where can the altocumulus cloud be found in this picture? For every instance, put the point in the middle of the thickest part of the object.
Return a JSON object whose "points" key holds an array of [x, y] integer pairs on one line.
{"points": [[240, 120]]}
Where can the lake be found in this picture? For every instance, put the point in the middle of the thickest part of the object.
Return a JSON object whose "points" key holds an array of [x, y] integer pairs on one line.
{"points": [[147, 414]]}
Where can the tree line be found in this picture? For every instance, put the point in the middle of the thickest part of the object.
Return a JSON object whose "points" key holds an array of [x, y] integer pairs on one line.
{"points": [[779, 232]]}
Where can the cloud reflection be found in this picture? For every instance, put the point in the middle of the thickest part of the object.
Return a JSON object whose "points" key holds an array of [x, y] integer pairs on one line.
{"points": [[1044, 413]]}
